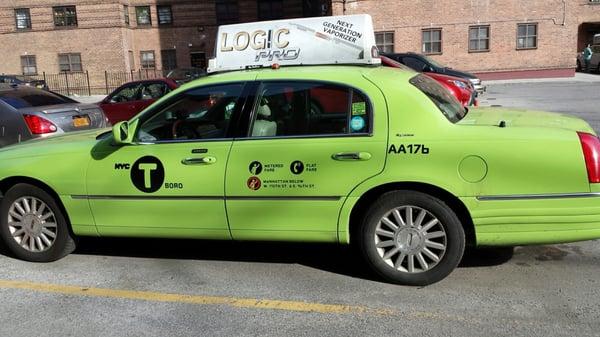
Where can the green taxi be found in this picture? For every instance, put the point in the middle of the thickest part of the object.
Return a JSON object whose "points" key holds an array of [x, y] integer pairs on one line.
{"points": [[381, 158]]}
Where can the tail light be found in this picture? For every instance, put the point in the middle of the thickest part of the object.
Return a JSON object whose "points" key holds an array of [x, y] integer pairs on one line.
{"points": [[38, 125], [590, 145]]}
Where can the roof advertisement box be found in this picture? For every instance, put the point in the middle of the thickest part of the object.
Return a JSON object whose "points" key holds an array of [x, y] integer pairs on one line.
{"points": [[346, 39]]}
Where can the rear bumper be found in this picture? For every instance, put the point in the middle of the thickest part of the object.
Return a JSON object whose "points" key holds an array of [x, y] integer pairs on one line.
{"points": [[526, 220]]}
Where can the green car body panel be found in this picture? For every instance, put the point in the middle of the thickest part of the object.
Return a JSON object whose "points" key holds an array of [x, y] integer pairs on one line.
{"points": [[491, 164]]}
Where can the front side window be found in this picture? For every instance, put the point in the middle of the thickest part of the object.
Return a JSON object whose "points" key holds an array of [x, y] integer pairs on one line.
{"points": [[385, 41], [227, 11], [147, 59], [153, 91], [442, 98], [165, 16], [527, 36], [28, 65], [142, 14], [432, 41], [70, 62], [65, 16], [479, 38], [202, 113], [23, 18], [306, 108], [128, 93]]}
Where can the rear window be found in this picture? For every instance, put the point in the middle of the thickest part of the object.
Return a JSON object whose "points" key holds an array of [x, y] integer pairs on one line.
{"points": [[28, 98], [443, 99]]}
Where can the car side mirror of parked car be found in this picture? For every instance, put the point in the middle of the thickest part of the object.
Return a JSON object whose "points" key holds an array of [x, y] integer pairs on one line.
{"points": [[123, 132]]}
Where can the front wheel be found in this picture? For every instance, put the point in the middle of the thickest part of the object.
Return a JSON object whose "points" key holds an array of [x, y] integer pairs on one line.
{"points": [[32, 225], [411, 238]]}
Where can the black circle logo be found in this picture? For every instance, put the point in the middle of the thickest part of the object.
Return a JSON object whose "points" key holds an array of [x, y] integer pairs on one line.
{"points": [[297, 167], [147, 174], [255, 168]]}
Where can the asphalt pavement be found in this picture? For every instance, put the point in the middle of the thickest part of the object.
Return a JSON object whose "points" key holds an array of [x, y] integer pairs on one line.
{"points": [[142, 287]]}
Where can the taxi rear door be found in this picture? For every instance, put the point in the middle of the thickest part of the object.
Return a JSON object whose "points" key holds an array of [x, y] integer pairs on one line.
{"points": [[309, 143]]}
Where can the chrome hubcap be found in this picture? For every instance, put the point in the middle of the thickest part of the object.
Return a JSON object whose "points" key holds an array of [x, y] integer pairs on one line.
{"points": [[32, 224], [410, 239]]}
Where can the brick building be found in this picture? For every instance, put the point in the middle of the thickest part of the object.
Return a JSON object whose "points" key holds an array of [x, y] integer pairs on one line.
{"points": [[53, 36], [497, 39], [511, 38]]}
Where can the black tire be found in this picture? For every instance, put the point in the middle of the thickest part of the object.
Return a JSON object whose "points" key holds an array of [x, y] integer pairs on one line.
{"points": [[63, 243], [454, 239]]}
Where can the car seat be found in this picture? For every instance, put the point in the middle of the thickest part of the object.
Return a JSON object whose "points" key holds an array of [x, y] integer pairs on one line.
{"points": [[263, 126]]}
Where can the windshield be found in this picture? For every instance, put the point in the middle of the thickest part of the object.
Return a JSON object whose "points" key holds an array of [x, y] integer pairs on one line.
{"points": [[443, 99], [26, 98], [432, 62]]}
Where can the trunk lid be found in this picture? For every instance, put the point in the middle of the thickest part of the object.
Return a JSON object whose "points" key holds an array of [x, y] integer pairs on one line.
{"points": [[491, 116], [70, 117]]}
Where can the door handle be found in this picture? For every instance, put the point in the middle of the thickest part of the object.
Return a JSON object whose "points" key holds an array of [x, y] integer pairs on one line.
{"points": [[199, 161], [346, 156]]}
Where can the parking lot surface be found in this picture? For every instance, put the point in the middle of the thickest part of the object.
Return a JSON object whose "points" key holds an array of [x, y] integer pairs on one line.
{"points": [[135, 287]]}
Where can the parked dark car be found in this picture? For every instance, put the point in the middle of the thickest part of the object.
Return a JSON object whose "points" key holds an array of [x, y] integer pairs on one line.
{"points": [[130, 98], [27, 113], [424, 64], [18, 79]]}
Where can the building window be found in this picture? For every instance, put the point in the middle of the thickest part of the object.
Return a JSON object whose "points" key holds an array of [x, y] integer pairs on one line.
{"points": [[126, 14], [147, 59], [227, 11], [432, 41], [169, 59], [28, 65], [385, 41], [70, 62], [527, 36], [23, 18], [479, 38], [65, 16], [270, 9], [131, 61], [142, 14], [165, 15]]}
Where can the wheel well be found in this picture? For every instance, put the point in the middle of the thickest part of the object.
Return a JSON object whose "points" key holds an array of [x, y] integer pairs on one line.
{"points": [[7, 183], [367, 199]]}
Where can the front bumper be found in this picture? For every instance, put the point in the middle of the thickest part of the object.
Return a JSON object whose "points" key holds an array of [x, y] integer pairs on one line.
{"points": [[480, 88]]}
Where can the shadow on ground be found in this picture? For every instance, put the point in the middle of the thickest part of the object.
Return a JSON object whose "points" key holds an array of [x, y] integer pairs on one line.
{"points": [[328, 257]]}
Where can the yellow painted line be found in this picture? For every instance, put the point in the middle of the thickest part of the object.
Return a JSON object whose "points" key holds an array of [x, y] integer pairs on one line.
{"points": [[248, 303]]}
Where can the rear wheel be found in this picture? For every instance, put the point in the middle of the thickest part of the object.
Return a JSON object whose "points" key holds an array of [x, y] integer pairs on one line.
{"points": [[411, 238], [32, 225]]}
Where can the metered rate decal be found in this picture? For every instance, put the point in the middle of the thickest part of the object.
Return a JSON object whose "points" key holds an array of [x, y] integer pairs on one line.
{"points": [[260, 173]]}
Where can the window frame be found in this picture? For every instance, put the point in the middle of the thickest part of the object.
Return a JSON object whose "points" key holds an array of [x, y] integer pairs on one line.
{"points": [[393, 44], [137, 17], [489, 37], [142, 64], [69, 55], [158, 8], [23, 57], [162, 58], [254, 106], [537, 35], [63, 9], [269, 3], [27, 20], [232, 129], [229, 18], [126, 15], [441, 41]]}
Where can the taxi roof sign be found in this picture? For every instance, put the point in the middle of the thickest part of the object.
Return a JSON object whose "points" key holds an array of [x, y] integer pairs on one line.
{"points": [[348, 39]]}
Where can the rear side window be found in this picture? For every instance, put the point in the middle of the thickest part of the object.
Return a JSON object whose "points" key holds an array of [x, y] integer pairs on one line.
{"points": [[28, 98], [443, 99], [309, 109]]}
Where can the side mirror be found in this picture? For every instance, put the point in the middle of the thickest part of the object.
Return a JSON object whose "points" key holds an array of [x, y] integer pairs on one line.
{"points": [[124, 131]]}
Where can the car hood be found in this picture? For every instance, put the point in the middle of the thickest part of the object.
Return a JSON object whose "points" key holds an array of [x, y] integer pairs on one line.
{"points": [[492, 116], [65, 143], [457, 73]]}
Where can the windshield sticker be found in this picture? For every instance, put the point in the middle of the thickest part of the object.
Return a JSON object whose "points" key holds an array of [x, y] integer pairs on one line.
{"points": [[359, 108], [147, 174], [357, 123], [254, 183]]}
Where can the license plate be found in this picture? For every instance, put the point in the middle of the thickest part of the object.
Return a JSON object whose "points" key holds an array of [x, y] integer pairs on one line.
{"points": [[81, 121]]}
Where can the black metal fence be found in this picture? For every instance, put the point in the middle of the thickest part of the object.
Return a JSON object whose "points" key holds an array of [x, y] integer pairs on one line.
{"points": [[93, 83]]}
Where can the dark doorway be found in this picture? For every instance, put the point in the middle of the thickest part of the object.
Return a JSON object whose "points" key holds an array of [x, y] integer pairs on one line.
{"points": [[586, 34]]}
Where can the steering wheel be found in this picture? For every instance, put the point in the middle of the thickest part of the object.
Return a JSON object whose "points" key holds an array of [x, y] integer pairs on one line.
{"points": [[181, 128]]}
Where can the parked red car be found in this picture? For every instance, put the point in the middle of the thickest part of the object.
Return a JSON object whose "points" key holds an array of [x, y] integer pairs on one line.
{"points": [[460, 88], [130, 98]]}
